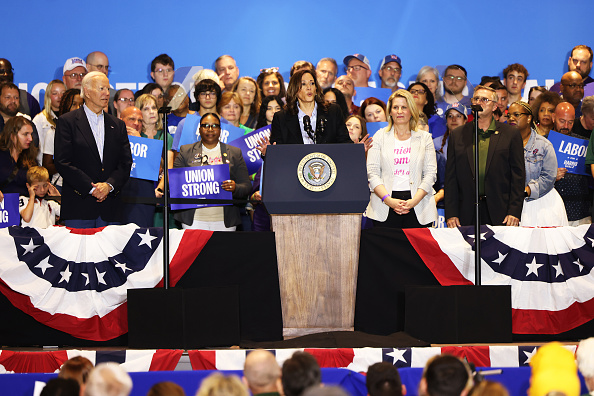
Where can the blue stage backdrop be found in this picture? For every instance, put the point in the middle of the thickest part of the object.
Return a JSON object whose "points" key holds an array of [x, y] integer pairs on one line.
{"points": [[482, 36]]}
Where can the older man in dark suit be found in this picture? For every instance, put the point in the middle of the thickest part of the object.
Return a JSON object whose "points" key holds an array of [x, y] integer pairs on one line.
{"points": [[92, 153], [500, 173]]}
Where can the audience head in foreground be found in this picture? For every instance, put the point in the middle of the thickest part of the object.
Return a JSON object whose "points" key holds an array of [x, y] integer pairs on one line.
{"points": [[261, 372], [108, 379], [300, 372]]}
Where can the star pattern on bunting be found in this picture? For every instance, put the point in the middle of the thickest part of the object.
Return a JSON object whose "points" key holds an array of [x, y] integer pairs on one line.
{"points": [[397, 355], [66, 274], [122, 266], [146, 239], [100, 276], [580, 265], [86, 277], [30, 247], [558, 269], [44, 265], [500, 259], [529, 355], [533, 267], [483, 238]]}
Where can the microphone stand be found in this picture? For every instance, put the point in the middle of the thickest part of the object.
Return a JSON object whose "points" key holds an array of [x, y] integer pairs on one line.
{"points": [[165, 111], [477, 204]]}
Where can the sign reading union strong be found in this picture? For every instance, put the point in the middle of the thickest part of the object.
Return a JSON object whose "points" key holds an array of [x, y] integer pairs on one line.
{"points": [[316, 172]]}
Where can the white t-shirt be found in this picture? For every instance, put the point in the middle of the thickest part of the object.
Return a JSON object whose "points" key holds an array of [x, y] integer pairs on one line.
{"points": [[401, 165], [212, 213], [44, 212]]}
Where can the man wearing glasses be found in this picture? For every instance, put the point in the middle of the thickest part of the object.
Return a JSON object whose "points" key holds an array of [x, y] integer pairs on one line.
{"points": [[454, 81], [358, 69], [500, 173], [580, 60], [97, 61], [390, 72], [73, 72]]}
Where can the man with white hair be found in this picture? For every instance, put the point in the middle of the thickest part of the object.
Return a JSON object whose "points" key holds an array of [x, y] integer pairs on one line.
{"points": [[92, 153], [108, 379], [261, 373]]}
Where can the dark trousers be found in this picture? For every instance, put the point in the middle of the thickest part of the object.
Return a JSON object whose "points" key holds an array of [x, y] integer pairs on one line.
{"points": [[395, 220]]}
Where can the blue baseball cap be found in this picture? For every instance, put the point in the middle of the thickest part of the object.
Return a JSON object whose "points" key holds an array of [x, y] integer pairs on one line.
{"points": [[361, 57], [459, 107], [391, 58]]}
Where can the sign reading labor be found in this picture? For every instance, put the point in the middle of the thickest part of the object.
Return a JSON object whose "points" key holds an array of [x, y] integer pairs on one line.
{"points": [[248, 145], [146, 157], [199, 182], [571, 152]]}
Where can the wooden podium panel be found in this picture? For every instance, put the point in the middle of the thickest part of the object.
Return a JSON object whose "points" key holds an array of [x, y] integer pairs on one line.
{"points": [[317, 266]]}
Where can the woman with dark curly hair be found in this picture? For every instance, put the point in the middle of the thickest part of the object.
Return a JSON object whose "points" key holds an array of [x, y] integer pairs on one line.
{"points": [[270, 105]]}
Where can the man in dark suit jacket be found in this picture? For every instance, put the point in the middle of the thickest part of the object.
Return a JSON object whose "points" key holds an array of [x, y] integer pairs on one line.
{"points": [[502, 173], [92, 153]]}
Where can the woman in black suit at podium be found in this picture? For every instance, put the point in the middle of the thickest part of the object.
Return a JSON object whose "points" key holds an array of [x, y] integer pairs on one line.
{"points": [[307, 118]]}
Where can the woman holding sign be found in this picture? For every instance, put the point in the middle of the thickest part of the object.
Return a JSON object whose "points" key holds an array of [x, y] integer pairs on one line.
{"points": [[210, 151], [402, 169], [543, 206]]}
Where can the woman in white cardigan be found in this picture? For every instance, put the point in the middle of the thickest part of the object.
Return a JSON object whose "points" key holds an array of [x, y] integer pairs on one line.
{"points": [[402, 169]]}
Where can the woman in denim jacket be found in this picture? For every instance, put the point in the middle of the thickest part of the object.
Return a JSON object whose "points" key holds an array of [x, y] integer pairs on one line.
{"points": [[543, 206]]}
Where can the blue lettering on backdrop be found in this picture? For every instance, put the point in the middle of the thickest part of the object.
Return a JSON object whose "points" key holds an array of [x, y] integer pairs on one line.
{"points": [[9, 211], [146, 157], [247, 144], [199, 182], [571, 152]]}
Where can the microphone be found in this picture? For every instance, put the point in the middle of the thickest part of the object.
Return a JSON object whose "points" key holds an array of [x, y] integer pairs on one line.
{"points": [[308, 128], [476, 108]]}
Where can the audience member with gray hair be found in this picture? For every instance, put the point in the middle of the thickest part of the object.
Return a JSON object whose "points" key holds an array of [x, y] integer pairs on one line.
{"points": [[585, 361], [108, 379]]}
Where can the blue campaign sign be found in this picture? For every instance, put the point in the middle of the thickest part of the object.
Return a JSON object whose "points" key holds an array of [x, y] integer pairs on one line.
{"points": [[441, 222], [229, 132], [187, 131], [146, 157], [199, 182], [373, 127], [247, 144], [9, 211], [363, 93], [571, 152]]}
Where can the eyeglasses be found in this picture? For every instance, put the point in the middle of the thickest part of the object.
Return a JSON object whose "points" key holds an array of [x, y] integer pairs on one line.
{"points": [[6, 71], [101, 67], [356, 68], [391, 69], [208, 93], [163, 71], [214, 127], [417, 91], [124, 100], [482, 100], [573, 85], [577, 62], [452, 78], [517, 115], [76, 76]]}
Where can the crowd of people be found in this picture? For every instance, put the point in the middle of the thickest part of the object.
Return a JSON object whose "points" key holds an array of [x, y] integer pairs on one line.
{"points": [[76, 144], [554, 372]]}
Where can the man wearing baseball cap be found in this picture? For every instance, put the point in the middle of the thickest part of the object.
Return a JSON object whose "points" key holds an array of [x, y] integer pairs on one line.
{"points": [[390, 72], [74, 71], [358, 69]]}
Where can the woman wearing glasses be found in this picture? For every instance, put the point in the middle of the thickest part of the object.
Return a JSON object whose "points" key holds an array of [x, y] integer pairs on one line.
{"points": [[402, 169], [210, 151], [543, 206]]}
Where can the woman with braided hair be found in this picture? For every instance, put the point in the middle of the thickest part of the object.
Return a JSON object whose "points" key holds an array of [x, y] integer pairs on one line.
{"points": [[543, 206]]}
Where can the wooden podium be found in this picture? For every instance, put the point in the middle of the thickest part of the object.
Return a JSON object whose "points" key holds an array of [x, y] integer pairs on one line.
{"points": [[317, 233]]}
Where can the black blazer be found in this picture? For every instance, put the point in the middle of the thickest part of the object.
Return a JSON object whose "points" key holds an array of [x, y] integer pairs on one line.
{"points": [[285, 127], [77, 160], [504, 174]]}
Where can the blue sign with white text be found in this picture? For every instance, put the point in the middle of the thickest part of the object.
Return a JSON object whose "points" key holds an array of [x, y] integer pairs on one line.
{"points": [[9, 211], [247, 144], [199, 182], [363, 93], [187, 131], [229, 132], [571, 152], [146, 157]]}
